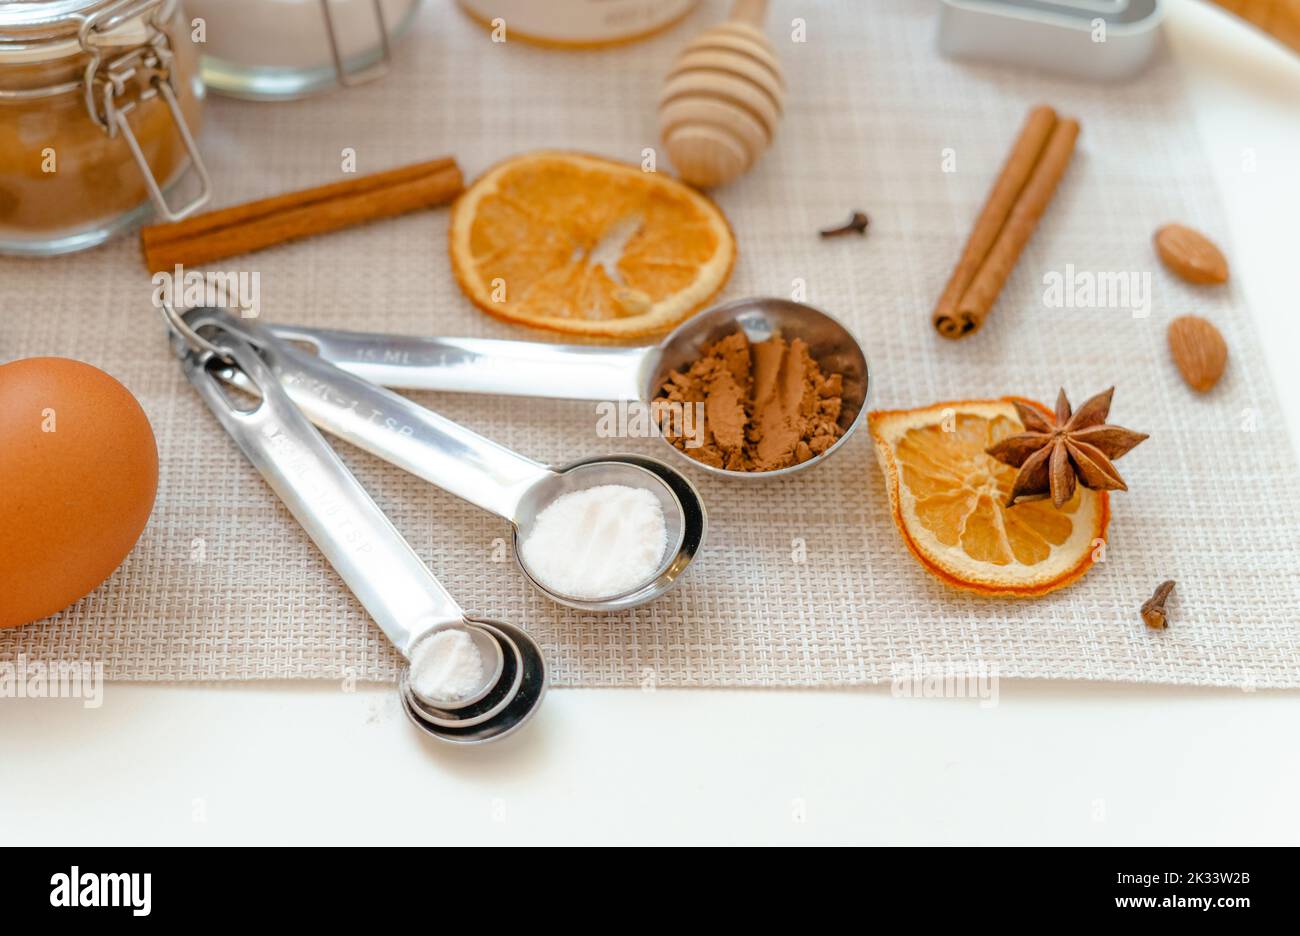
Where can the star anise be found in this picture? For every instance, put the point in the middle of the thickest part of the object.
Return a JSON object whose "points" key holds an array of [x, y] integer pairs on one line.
{"points": [[1056, 452]]}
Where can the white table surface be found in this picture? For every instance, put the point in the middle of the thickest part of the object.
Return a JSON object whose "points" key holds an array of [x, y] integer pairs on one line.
{"points": [[1051, 762]]}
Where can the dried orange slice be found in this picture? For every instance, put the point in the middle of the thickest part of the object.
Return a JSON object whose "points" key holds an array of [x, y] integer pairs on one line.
{"points": [[588, 246], [949, 502]]}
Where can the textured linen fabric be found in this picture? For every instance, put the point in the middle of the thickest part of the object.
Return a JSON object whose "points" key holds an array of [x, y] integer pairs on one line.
{"points": [[803, 581]]}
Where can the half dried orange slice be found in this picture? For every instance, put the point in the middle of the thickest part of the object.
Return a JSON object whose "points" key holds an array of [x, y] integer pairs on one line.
{"points": [[949, 501], [588, 246]]}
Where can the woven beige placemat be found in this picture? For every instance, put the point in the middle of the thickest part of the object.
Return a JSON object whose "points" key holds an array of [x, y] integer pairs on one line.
{"points": [[803, 581]]}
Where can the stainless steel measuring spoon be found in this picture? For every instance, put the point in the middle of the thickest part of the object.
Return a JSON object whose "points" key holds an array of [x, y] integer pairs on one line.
{"points": [[466, 464], [582, 372], [396, 588]]}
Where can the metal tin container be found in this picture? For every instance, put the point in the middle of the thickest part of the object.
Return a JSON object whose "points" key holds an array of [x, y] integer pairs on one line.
{"points": [[1096, 39]]}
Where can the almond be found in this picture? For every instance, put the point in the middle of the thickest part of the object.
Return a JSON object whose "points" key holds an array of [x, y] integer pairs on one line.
{"points": [[1191, 254], [1199, 351]]}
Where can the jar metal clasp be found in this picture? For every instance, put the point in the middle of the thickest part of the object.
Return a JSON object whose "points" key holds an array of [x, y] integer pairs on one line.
{"points": [[115, 88], [347, 78]]}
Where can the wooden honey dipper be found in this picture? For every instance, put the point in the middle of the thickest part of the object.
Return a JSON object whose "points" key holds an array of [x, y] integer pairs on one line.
{"points": [[722, 100]]}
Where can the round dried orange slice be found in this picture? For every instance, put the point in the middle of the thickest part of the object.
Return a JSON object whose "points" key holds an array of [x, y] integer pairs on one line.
{"points": [[588, 246], [949, 501]]}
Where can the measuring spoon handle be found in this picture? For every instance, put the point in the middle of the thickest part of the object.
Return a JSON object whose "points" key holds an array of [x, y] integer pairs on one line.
{"points": [[390, 426], [377, 564], [481, 365]]}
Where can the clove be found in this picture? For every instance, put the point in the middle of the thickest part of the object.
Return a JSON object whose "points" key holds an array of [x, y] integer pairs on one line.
{"points": [[857, 223], [1153, 609]]}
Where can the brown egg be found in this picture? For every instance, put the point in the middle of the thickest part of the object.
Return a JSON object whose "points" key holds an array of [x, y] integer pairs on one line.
{"points": [[78, 475]]}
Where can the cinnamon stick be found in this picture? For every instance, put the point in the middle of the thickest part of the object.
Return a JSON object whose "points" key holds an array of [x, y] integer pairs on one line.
{"points": [[242, 229], [983, 291], [997, 208]]}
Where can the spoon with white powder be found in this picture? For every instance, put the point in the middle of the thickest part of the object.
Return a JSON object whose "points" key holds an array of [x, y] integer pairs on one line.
{"points": [[599, 534], [469, 680]]}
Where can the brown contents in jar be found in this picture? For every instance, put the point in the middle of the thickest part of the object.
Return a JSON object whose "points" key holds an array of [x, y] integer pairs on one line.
{"points": [[60, 172], [766, 406]]}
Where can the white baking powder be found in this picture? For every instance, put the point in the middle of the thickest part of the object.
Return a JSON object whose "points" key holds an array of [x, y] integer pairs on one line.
{"points": [[447, 667], [597, 543]]}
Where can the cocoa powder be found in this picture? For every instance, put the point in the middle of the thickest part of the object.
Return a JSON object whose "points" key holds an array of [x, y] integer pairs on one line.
{"points": [[766, 406]]}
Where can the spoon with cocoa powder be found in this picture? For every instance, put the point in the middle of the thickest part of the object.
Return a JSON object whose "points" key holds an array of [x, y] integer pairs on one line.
{"points": [[756, 388]]}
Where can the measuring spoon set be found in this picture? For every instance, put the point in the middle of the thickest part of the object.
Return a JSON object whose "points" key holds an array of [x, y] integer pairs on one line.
{"points": [[267, 391]]}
